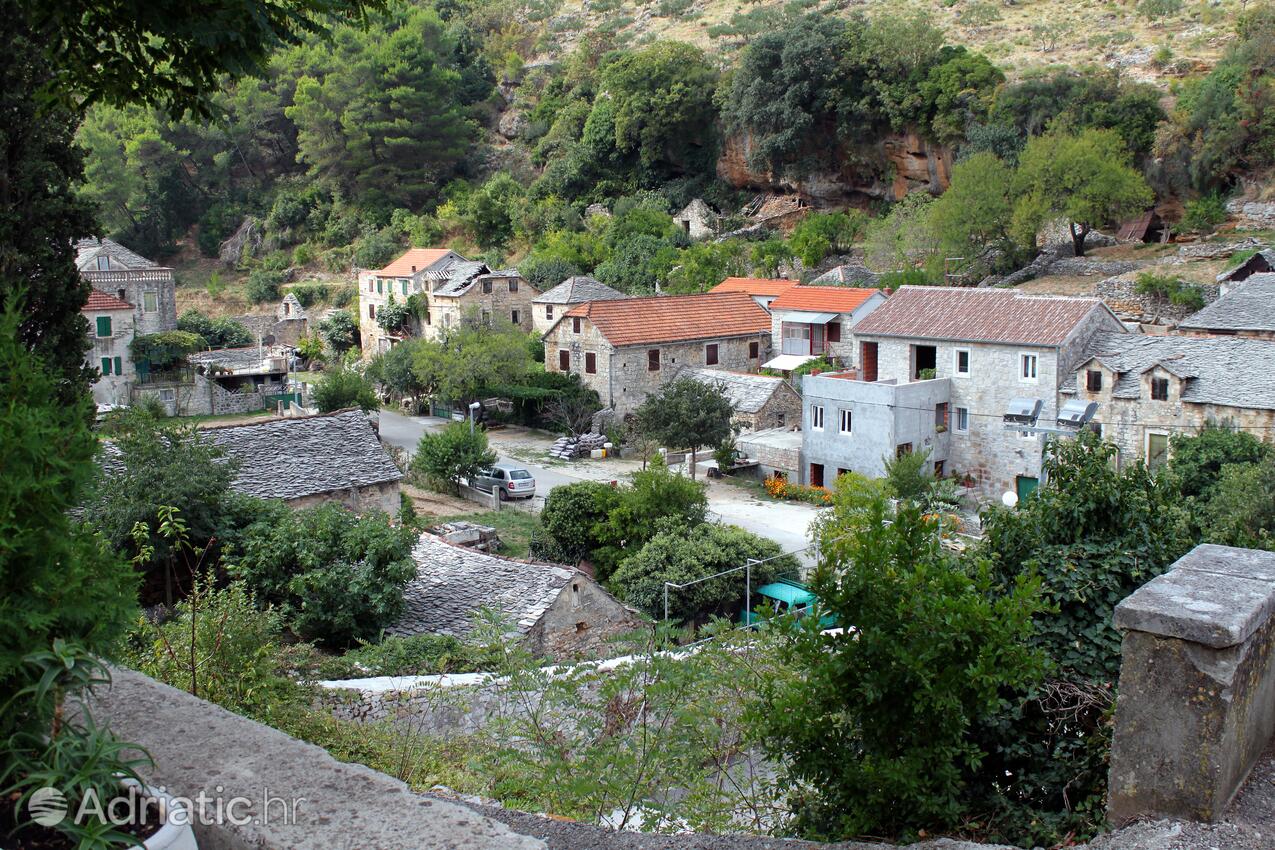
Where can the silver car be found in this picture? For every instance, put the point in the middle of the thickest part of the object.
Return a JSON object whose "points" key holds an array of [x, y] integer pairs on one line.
{"points": [[509, 481]]}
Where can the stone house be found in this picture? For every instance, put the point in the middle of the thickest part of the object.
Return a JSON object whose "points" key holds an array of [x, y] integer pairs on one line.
{"points": [[697, 220], [812, 321], [627, 349], [760, 402], [1247, 310], [286, 326], [415, 272], [548, 307], [1149, 388], [1259, 263], [474, 290], [762, 289], [987, 347], [111, 268], [851, 273], [557, 611], [110, 331], [305, 461]]}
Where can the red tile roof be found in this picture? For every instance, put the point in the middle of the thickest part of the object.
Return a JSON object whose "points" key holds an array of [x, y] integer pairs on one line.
{"points": [[674, 318], [755, 285], [977, 315], [823, 299], [419, 258], [99, 301]]}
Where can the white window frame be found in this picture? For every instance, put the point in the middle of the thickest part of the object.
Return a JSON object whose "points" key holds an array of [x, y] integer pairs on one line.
{"points": [[1022, 367], [1146, 445], [151, 295], [957, 417], [816, 417], [845, 424], [956, 362]]}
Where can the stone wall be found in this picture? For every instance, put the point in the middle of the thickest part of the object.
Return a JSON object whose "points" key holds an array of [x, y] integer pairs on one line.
{"points": [[581, 622], [1197, 685], [771, 458], [372, 497], [781, 410], [1252, 215], [1121, 295]]}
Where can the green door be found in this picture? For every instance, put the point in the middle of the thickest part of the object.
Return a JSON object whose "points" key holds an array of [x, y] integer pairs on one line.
{"points": [[1026, 486]]}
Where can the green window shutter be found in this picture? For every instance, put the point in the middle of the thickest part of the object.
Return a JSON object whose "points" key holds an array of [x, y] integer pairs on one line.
{"points": [[103, 326], [119, 365], [106, 365], [404, 287], [378, 286]]}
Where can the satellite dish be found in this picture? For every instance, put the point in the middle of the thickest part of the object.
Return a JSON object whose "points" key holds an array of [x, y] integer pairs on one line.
{"points": [[1010, 498]]}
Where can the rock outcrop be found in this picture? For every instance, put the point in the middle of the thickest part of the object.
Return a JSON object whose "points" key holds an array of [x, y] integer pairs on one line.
{"points": [[245, 240]]}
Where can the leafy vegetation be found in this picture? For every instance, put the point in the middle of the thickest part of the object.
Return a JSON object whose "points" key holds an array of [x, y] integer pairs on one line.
{"points": [[457, 452], [344, 387], [686, 413]]}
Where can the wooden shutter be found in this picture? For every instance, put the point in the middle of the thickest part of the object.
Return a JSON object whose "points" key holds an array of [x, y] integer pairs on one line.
{"points": [[591, 363], [564, 360], [103, 326], [119, 365], [834, 331], [106, 365]]}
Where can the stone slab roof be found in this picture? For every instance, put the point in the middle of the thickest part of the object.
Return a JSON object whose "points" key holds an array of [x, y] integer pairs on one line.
{"points": [[100, 301], [854, 273], [1231, 371], [462, 277], [578, 290], [675, 318], [1250, 306], [822, 299], [122, 259], [978, 315], [747, 393], [291, 458], [453, 583]]}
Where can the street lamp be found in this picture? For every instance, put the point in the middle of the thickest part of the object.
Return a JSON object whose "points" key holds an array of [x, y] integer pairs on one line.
{"points": [[474, 407]]}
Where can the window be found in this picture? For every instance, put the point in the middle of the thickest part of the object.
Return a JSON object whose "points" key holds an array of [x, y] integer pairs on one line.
{"points": [[150, 302], [1159, 389], [833, 331], [514, 316], [120, 293], [404, 282], [513, 284], [1157, 450], [380, 284], [940, 415], [548, 311], [653, 360], [369, 285], [167, 395], [925, 360], [486, 287], [816, 417], [103, 326], [1027, 367], [106, 365], [710, 354], [591, 363], [961, 366], [371, 311], [816, 475], [485, 318], [1093, 380], [847, 421], [119, 365], [962, 420], [575, 601], [575, 325], [902, 449], [103, 264], [564, 360], [754, 350]]}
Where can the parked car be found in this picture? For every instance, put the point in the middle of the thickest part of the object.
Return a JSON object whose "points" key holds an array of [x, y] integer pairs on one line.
{"points": [[509, 481]]}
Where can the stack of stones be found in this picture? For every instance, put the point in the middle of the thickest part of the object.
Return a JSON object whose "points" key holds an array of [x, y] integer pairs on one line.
{"points": [[567, 448]]}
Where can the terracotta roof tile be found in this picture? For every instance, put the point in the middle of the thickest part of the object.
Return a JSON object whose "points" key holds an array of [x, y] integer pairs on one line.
{"points": [[673, 318], [99, 301], [977, 315], [421, 258], [823, 299], [755, 285]]}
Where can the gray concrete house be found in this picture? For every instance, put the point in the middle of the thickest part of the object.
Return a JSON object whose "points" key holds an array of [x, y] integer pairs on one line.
{"points": [[761, 402], [629, 348], [1247, 309], [559, 612], [986, 347], [813, 321], [333, 457], [549, 306], [110, 331], [111, 268], [1149, 388]]}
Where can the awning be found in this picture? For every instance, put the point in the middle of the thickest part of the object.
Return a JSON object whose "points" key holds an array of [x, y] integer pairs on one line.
{"points": [[788, 362], [787, 593], [806, 316]]}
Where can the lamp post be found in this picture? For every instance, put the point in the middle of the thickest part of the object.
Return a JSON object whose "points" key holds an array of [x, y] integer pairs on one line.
{"points": [[474, 407]]}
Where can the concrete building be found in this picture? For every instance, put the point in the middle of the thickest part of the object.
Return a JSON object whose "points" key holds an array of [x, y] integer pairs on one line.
{"points": [[628, 349], [776, 450], [988, 346], [110, 331], [760, 402], [415, 272], [763, 290], [149, 287], [813, 321], [1247, 309], [548, 306], [1149, 388], [560, 612], [334, 457]]}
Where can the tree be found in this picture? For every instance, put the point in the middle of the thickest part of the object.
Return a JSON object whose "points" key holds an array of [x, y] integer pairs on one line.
{"points": [[657, 500], [1084, 178], [471, 357], [394, 369], [1241, 510], [904, 238], [687, 413], [338, 389], [337, 578], [215, 333], [883, 735], [339, 331], [575, 514], [972, 218], [906, 475], [685, 554], [1196, 460], [458, 451], [820, 234]]}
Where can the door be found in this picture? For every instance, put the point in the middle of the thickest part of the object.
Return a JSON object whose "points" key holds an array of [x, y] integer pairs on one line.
{"points": [[816, 475], [868, 361], [1025, 485]]}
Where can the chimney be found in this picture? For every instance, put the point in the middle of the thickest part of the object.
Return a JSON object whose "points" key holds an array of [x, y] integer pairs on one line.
{"points": [[413, 269]]}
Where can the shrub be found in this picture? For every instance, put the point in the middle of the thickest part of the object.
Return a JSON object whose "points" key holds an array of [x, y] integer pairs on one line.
{"points": [[574, 513], [263, 285], [342, 388], [417, 655], [374, 251], [310, 347], [215, 225], [1175, 290], [336, 578], [456, 452], [907, 476], [304, 254], [1204, 213], [164, 349], [1154, 10], [309, 294], [779, 488], [1197, 460], [339, 330], [657, 500], [215, 333], [342, 296]]}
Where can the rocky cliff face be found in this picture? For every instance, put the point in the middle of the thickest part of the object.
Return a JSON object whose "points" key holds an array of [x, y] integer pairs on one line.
{"points": [[896, 165]]}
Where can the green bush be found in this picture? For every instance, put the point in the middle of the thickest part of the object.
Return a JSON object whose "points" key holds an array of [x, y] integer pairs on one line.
{"points": [[417, 655], [1196, 460], [304, 254], [340, 330], [217, 223], [164, 349], [342, 296], [341, 388], [456, 452], [263, 285], [336, 578], [375, 250], [1204, 213], [1175, 290], [1154, 10], [574, 513], [657, 500], [309, 294], [215, 333]]}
